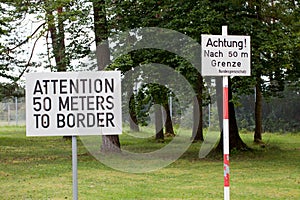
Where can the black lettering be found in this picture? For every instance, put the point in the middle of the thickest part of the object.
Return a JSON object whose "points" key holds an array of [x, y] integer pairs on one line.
{"points": [[109, 118], [100, 120], [74, 103], [82, 101], [47, 104], [73, 86], [54, 85], [71, 120], [209, 43], [46, 85], [98, 85], [90, 120], [37, 120], [45, 121], [99, 102], [215, 63], [110, 102], [83, 84], [63, 105], [63, 86], [109, 85], [37, 104], [90, 103], [80, 118], [60, 120], [90, 86], [37, 88]]}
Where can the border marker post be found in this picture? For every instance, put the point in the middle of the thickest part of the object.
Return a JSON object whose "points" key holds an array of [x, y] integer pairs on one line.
{"points": [[225, 131], [225, 55]]}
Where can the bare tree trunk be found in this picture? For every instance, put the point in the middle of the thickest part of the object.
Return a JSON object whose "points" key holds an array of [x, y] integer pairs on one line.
{"points": [[110, 143], [235, 141], [168, 124], [58, 39], [133, 121], [159, 136], [258, 114], [197, 134], [57, 35]]}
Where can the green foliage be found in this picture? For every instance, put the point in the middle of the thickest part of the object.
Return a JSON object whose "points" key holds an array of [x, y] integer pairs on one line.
{"points": [[10, 18], [281, 114], [272, 25], [9, 90]]}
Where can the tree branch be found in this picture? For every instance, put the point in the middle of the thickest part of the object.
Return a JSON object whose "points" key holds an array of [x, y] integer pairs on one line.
{"points": [[27, 39], [29, 60]]}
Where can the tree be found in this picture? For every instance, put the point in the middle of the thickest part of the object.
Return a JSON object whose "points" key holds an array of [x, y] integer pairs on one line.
{"points": [[62, 24], [197, 133], [271, 42], [110, 143], [12, 14], [8, 90], [57, 34], [133, 121]]}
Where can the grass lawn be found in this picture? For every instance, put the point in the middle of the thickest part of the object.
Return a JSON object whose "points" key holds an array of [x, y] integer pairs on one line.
{"points": [[41, 168]]}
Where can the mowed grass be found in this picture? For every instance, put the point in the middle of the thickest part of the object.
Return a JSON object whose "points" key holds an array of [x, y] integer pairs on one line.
{"points": [[41, 168]]}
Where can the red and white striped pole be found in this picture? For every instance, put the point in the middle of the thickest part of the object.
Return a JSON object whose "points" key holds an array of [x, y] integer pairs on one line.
{"points": [[225, 131]]}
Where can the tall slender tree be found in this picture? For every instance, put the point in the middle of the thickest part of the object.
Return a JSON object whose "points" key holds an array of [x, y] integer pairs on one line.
{"points": [[110, 143]]}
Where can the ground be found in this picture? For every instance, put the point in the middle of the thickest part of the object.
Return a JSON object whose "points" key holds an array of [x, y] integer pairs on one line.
{"points": [[41, 168]]}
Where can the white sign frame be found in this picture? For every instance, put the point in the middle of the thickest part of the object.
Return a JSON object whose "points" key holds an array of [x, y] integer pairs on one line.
{"points": [[73, 103], [225, 55]]}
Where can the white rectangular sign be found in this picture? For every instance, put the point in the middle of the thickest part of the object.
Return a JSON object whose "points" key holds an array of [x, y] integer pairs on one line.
{"points": [[225, 55], [73, 103]]}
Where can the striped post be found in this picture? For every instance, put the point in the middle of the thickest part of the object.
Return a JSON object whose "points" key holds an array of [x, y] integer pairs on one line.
{"points": [[226, 138], [225, 131]]}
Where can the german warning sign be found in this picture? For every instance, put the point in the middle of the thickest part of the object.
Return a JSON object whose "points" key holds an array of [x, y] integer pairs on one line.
{"points": [[225, 55], [73, 103]]}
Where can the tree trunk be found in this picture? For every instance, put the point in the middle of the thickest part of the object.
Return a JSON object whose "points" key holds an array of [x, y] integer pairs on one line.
{"points": [[219, 96], [168, 124], [235, 141], [159, 133], [258, 114], [110, 143], [57, 35], [133, 122], [197, 134]]}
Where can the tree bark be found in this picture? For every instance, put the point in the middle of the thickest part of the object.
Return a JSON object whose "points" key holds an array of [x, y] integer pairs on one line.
{"points": [[197, 134], [235, 141], [133, 121], [57, 35], [110, 143], [159, 136], [258, 114], [168, 124]]}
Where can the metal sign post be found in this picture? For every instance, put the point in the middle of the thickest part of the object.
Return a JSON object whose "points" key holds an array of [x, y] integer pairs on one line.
{"points": [[74, 167]]}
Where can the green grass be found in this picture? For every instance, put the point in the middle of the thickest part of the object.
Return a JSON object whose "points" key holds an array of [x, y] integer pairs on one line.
{"points": [[41, 168]]}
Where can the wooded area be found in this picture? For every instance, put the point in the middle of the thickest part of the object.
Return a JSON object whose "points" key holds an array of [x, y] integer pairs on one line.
{"points": [[73, 32]]}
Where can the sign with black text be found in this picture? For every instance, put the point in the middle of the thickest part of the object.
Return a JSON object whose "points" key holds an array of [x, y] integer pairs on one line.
{"points": [[225, 55], [73, 103]]}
